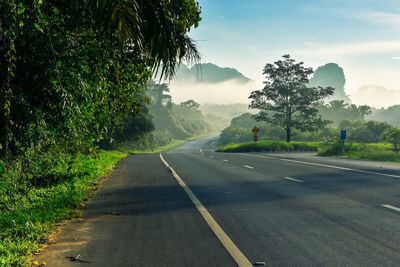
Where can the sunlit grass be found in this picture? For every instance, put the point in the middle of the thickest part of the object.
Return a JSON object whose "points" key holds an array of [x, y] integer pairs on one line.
{"points": [[27, 220], [265, 145]]}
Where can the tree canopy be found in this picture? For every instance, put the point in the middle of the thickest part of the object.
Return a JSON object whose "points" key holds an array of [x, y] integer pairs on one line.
{"points": [[75, 72], [287, 100]]}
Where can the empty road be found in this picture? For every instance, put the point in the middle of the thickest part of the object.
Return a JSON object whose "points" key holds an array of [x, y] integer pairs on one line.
{"points": [[229, 209]]}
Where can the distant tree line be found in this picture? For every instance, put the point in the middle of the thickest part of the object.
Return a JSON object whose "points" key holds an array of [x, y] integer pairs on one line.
{"points": [[293, 107]]}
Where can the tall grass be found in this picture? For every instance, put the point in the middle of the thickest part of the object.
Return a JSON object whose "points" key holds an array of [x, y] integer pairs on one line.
{"points": [[29, 210]]}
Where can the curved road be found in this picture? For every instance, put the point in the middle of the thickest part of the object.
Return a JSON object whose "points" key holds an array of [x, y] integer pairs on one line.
{"points": [[281, 209]]}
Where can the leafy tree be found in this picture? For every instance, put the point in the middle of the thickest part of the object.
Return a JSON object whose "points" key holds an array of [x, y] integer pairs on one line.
{"points": [[287, 100], [359, 112], [393, 136], [377, 130]]}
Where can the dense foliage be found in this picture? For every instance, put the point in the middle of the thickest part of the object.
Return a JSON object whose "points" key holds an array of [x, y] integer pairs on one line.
{"points": [[73, 77], [174, 121], [72, 72]]}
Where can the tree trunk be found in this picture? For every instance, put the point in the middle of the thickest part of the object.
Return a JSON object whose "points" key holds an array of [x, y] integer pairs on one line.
{"points": [[289, 125], [288, 134]]}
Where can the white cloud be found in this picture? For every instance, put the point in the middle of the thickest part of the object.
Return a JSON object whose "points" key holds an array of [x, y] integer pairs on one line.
{"points": [[376, 96], [396, 58], [392, 19], [351, 48]]}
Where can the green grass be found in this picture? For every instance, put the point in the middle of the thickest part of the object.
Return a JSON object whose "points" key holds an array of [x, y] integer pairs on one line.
{"points": [[159, 149], [28, 218], [264, 145], [374, 151]]}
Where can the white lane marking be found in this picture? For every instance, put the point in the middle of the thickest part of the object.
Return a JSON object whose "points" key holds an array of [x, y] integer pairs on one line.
{"points": [[211, 157], [233, 250], [248, 167], [225, 160], [391, 207], [201, 150], [293, 179], [324, 165]]}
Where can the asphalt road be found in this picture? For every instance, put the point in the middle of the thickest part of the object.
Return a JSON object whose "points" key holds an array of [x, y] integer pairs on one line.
{"points": [[284, 209]]}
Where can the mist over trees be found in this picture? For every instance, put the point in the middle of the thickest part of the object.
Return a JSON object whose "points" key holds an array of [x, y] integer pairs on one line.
{"points": [[362, 123], [390, 115], [338, 110]]}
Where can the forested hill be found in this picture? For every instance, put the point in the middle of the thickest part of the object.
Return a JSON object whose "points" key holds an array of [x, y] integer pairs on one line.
{"points": [[209, 73]]}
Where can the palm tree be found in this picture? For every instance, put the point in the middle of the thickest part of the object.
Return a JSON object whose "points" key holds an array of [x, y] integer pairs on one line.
{"points": [[158, 28]]}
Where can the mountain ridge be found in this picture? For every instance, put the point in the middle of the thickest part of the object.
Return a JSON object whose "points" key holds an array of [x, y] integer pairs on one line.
{"points": [[209, 73]]}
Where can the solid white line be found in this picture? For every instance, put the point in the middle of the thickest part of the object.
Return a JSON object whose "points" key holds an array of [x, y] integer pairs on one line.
{"points": [[391, 207], [248, 167], [324, 165], [233, 250], [293, 179], [225, 160]]}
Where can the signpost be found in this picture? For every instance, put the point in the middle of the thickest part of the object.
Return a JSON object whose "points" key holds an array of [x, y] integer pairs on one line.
{"points": [[343, 137], [255, 131]]}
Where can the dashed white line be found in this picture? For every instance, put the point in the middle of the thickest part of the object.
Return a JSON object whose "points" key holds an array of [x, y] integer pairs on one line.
{"points": [[248, 167], [232, 249], [201, 150], [293, 179], [391, 207], [323, 165], [225, 160], [211, 157]]}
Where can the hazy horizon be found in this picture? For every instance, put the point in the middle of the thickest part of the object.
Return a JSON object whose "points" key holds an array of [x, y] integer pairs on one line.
{"points": [[358, 35]]}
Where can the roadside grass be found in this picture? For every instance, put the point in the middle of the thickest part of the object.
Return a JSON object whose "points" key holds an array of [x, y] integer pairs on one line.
{"points": [[372, 151], [28, 214], [265, 145], [159, 149]]}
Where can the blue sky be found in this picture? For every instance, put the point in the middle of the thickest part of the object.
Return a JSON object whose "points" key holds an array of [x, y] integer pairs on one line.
{"points": [[363, 36]]}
